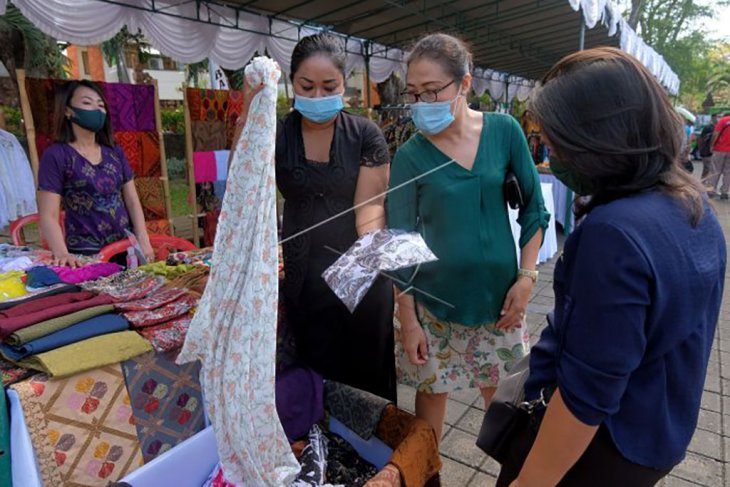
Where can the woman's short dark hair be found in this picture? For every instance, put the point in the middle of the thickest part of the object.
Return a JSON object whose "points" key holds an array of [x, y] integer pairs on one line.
{"points": [[450, 52], [612, 125], [317, 45], [64, 130]]}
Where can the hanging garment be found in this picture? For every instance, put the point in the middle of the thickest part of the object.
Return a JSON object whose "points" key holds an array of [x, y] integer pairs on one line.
{"points": [[233, 332], [16, 174], [205, 166]]}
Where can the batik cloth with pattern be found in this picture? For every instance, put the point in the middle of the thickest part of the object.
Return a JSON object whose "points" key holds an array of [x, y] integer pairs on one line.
{"points": [[11, 373], [128, 286], [460, 357], [166, 400], [170, 336], [359, 410], [82, 427], [162, 314], [233, 332], [201, 256]]}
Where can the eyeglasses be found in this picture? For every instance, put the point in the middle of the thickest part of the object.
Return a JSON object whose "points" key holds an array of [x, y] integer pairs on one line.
{"points": [[428, 96]]}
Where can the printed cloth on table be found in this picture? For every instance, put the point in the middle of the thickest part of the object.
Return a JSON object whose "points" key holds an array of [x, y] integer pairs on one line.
{"points": [[169, 271], [415, 449], [41, 276], [299, 401], [221, 164], [158, 227], [96, 326], [166, 400], [194, 95], [313, 460], [34, 332], [36, 295], [5, 466], [355, 271], [209, 136], [12, 285], [82, 427], [152, 196], [195, 281], [204, 166], [131, 144], [151, 156], [233, 330], [43, 309], [358, 410], [87, 273], [126, 286], [200, 256], [144, 105], [11, 373], [8, 264], [88, 354], [120, 98], [170, 336], [165, 295], [214, 105], [142, 319], [344, 465]]}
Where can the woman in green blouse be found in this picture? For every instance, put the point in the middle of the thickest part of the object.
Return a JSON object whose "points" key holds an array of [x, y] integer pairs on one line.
{"points": [[462, 317]]}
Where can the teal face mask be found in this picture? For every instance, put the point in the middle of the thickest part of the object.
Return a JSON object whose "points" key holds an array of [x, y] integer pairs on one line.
{"points": [[569, 178], [92, 120]]}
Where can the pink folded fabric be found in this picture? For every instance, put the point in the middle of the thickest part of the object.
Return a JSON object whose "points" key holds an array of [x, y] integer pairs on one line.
{"points": [[205, 168], [87, 273]]}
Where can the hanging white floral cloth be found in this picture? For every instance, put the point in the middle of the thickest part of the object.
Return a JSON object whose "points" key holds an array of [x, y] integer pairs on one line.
{"points": [[233, 332]]}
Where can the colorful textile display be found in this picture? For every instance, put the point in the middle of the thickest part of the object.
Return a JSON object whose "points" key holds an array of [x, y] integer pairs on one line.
{"points": [[39, 294], [160, 298], [33, 332], [204, 166], [44, 309], [127, 286], [233, 331], [82, 427], [87, 273], [152, 192], [209, 136], [170, 336], [166, 400], [11, 373], [99, 325], [195, 281], [88, 354], [169, 271], [175, 309], [200, 256], [41, 276], [12, 285]]}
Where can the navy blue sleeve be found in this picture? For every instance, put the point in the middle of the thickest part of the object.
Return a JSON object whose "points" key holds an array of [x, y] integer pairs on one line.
{"points": [[604, 337]]}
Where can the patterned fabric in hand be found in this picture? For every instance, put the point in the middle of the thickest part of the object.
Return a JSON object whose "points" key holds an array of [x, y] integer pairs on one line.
{"points": [[170, 336], [95, 212], [166, 400], [233, 331], [352, 275], [81, 427], [358, 410], [415, 449], [145, 318]]}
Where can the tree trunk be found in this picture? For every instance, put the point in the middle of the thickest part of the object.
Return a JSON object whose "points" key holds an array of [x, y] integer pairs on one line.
{"points": [[637, 8]]}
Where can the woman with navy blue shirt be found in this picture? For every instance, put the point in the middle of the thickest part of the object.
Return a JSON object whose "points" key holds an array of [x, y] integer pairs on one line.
{"points": [[638, 287]]}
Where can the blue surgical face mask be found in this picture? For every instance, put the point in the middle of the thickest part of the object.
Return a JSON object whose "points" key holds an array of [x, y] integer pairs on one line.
{"points": [[432, 118], [319, 110]]}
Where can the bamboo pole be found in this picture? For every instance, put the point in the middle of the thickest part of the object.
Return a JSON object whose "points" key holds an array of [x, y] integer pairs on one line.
{"points": [[28, 120], [189, 164], [163, 158]]}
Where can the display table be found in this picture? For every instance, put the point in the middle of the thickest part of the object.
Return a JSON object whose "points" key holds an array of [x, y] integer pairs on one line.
{"points": [[562, 201], [550, 242]]}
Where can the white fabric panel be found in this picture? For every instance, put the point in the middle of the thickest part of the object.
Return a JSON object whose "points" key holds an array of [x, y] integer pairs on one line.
{"points": [[385, 62], [235, 48], [592, 11], [82, 22], [355, 62]]}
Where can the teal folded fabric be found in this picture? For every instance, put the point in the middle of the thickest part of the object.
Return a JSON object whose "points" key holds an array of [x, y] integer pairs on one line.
{"points": [[5, 475]]}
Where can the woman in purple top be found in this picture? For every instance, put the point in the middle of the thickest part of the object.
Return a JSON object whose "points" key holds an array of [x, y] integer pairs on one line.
{"points": [[90, 177]]}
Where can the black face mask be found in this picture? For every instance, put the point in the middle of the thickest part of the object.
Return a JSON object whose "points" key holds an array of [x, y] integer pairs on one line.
{"points": [[569, 178]]}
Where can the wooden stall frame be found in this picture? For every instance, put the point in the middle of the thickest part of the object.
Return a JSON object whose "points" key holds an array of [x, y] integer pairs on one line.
{"points": [[30, 133], [163, 159], [195, 215], [28, 122]]}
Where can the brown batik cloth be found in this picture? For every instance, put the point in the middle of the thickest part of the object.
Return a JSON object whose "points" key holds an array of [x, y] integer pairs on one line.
{"points": [[152, 196], [209, 135], [81, 427]]}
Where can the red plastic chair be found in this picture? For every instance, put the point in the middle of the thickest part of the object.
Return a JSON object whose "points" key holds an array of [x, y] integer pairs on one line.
{"points": [[17, 228], [159, 243]]}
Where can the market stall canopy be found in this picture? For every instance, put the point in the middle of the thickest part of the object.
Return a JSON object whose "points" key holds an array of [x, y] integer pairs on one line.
{"points": [[514, 41]]}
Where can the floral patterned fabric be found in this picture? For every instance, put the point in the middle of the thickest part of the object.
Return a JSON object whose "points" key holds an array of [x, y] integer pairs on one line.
{"points": [[166, 400], [145, 318], [460, 357], [82, 428], [233, 332]]}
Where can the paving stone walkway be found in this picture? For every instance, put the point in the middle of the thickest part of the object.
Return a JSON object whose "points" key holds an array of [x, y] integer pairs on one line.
{"points": [[708, 459]]}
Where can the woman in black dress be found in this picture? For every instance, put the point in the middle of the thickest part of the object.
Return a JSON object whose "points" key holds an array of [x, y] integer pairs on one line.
{"points": [[328, 161]]}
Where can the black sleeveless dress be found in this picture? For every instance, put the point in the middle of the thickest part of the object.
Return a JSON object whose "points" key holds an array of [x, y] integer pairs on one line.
{"points": [[354, 348]]}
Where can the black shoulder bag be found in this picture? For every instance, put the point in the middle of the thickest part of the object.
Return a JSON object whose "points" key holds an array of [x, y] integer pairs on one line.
{"points": [[512, 191]]}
